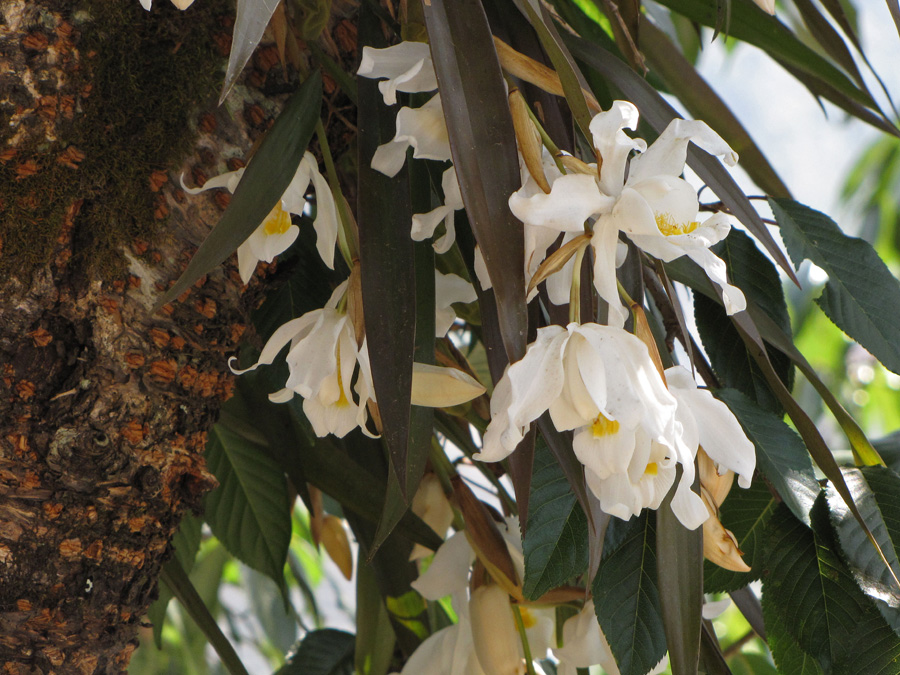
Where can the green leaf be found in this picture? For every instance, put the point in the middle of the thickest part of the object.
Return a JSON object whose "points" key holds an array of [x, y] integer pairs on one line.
{"points": [[174, 576], [813, 594], [375, 637], [321, 652], [861, 296], [186, 542], [876, 491], [657, 112], [787, 653], [387, 264], [746, 514], [250, 511], [484, 150], [751, 25], [266, 178], [679, 554], [733, 365], [249, 25], [626, 597], [780, 453], [555, 541], [749, 663]]}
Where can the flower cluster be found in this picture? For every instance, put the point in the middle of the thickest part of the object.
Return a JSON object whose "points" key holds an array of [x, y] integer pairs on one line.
{"points": [[630, 429]]}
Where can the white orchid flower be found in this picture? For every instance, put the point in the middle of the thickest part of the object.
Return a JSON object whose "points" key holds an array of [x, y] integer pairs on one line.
{"points": [[424, 224], [180, 4], [655, 207], [718, 431], [448, 289], [423, 129], [276, 233], [322, 359], [407, 67], [600, 382]]}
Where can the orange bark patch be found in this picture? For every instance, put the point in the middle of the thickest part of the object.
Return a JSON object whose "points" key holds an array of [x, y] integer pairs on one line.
{"points": [[163, 371], [70, 548], [41, 337]]}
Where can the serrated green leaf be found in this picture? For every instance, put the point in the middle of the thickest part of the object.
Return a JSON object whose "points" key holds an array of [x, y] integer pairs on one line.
{"points": [[264, 181], [785, 650], [249, 512], [249, 25], [861, 296], [186, 542], [876, 491], [728, 355], [745, 513], [555, 544], [321, 652], [780, 453], [811, 591], [483, 145], [626, 597]]}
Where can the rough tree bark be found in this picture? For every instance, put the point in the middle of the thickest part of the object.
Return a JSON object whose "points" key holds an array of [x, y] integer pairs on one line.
{"points": [[104, 406]]}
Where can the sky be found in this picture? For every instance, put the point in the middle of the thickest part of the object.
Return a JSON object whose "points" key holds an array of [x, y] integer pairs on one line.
{"points": [[811, 152]]}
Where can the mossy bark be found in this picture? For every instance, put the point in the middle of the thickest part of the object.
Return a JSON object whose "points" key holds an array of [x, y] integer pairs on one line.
{"points": [[104, 406]]}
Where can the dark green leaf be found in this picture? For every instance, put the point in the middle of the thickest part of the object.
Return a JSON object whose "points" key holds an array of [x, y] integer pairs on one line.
{"points": [[780, 453], [250, 510], [185, 543], [825, 34], [658, 113], [876, 491], [750, 663], [560, 445], [702, 102], [387, 264], [483, 145], [626, 597], [814, 596], [787, 653], [321, 652], [861, 296], [745, 513], [264, 182], [679, 554], [555, 541], [375, 638], [732, 363]]}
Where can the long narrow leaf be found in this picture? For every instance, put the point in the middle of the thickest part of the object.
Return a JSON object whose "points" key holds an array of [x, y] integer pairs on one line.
{"points": [[249, 25], [262, 185], [483, 145]]}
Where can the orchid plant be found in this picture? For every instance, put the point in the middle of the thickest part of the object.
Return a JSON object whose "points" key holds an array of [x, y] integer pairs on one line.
{"points": [[532, 438]]}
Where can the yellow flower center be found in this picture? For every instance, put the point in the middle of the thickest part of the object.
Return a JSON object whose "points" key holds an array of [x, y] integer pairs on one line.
{"points": [[278, 221], [652, 469], [528, 618], [342, 401], [603, 426], [668, 226]]}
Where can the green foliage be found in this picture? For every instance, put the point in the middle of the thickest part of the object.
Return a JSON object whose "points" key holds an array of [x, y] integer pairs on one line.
{"points": [[861, 296], [555, 542], [321, 652], [626, 595], [186, 543]]}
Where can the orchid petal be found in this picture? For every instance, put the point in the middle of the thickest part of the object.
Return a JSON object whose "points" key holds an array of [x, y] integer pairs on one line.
{"points": [[449, 570], [282, 335], [572, 200], [668, 154], [613, 144], [229, 180], [584, 643], [604, 241], [714, 267], [246, 262], [407, 67], [439, 387]]}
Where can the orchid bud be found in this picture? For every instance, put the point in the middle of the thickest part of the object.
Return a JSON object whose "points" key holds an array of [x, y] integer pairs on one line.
{"points": [[494, 632], [719, 545], [431, 505], [337, 544], [530, 145], [718, 485]]}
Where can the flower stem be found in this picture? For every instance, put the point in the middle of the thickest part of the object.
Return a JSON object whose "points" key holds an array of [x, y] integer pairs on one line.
{"points": [[348, 237], [575, 289], [520, 625]]}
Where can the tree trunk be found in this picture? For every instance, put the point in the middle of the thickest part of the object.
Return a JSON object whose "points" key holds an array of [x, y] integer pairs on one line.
{"points": [[104, 406]]}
